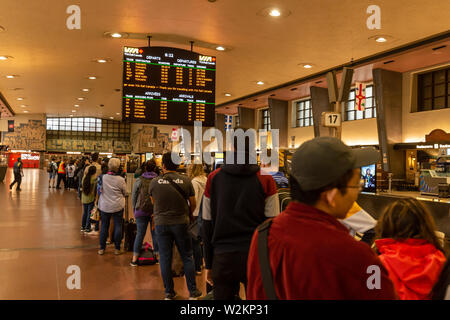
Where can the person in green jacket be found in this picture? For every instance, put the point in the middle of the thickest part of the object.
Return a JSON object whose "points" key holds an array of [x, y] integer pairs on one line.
{"points": [[89, 191]]}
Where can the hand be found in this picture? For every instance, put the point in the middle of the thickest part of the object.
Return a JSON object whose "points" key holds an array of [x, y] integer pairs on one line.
{"points": [[209, 277]]}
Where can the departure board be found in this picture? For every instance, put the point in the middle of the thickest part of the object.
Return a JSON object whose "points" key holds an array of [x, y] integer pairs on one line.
{"points": [[164, 85]]}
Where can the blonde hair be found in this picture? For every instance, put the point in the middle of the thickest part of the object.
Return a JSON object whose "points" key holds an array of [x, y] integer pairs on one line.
{"points": [[113, 164], [195, 170]]}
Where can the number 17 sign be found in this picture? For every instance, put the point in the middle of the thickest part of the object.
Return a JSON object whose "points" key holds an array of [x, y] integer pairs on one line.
{"points": [[331, 119]]}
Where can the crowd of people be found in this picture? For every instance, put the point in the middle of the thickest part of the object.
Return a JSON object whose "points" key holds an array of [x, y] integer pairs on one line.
{"points": [[229, 222]]}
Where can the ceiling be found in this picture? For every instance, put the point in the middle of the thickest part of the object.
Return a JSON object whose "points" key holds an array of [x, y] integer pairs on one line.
{"points": [[53, 63]]}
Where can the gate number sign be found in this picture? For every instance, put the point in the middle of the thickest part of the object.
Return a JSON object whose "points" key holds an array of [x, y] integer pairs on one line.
{"points": [[331, 119]]}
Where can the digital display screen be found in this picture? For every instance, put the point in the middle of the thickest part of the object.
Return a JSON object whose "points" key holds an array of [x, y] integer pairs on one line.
{"points": [[164, 85], [369, 175]]}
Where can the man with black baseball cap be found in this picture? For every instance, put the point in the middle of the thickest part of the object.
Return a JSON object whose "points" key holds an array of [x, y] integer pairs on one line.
{"points": [[311, 254]]}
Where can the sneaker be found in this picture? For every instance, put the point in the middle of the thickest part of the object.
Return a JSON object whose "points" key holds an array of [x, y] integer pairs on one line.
{"points": [[134, 263], [170, 296], [195, 295], [82, 230], [101, 252], [117, 252]]}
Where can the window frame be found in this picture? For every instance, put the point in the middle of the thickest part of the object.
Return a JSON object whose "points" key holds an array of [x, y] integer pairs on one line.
{"points": [[300, 113], [425, 103], [360, 115]]}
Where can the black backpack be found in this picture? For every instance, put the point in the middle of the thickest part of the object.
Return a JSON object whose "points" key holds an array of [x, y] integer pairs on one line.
{"points": [[144, 203], [284, 196]]}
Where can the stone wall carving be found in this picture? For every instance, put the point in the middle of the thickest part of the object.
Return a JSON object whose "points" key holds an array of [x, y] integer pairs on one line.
{"points": [[150, 139], [29, 136]]}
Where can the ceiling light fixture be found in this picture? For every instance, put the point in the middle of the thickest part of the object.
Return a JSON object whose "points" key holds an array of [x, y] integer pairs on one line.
{"points": [[23, 106], [70, 115], [380, 39], [228, 94], [25, 111], [11, 76], [85, 90], [92, 77], [74, 110], [81, 99], [102, 60], [118, 113], [20, 99], [260, 83], [306, 65], [116, 35], [111, 118], [275, 13], [220, 48], [76, 106], [5, 57]]}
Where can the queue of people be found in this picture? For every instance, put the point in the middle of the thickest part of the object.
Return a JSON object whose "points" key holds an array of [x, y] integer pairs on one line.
{"points": [[307, 251]]}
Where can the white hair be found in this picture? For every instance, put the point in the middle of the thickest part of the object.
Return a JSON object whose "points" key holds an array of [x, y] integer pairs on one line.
{"points": [[113, 164]]}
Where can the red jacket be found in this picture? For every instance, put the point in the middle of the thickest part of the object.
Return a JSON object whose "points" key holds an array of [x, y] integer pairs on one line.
{"points": [[414, 266], [312, 256]]}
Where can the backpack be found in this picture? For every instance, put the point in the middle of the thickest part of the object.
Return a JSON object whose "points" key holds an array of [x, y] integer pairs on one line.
{"points": [[50, 168], [147, 255], [284, 196], [144, 203]]}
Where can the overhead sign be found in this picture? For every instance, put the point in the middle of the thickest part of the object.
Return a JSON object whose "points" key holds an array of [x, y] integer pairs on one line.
{"points": [[164, 85], [331, 119]]}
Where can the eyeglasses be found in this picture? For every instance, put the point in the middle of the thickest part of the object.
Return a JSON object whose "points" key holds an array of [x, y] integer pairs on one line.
{"points": [[360, 186]]}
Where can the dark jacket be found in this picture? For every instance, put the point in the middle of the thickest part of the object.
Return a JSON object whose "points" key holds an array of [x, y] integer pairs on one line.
{"points": [[237, 199]]}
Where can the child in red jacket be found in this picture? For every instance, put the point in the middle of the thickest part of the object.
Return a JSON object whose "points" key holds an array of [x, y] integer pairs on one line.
{"points": [[409, 248]]}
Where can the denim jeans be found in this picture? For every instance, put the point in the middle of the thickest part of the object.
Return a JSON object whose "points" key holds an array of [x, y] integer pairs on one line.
{"points": [[86, 220], [154, 240], [166, 235], [105, 218], [142, 224]]}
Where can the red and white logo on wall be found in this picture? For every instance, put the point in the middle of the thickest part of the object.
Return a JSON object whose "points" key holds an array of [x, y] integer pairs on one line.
{"points": [[360, 96]]}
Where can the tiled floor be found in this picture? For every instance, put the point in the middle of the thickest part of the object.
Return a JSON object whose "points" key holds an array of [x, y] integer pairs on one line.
{"points": [[40, 238]]}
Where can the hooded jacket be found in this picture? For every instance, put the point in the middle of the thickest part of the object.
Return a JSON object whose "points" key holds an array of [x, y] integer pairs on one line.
{"points": [[136, 191], [237, 199], [414, 266]]}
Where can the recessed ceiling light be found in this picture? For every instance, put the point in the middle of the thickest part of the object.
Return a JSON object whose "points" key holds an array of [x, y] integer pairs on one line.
{"points": [[275, 13], [5, 57], [116, 35], [228, 94], [111, 117], [220, 48], [23, 106], [118, 113], [102, 60], [74, 110], [81, 99], [20, 99], [11, 76], [260, 83], [76, 106], [380, 39], [307, 66], [25, 111], [92, 77], [70, 115], [85, 90]]}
